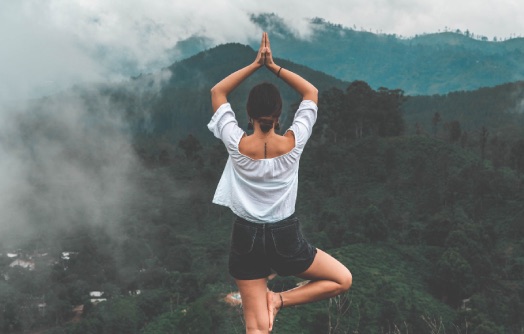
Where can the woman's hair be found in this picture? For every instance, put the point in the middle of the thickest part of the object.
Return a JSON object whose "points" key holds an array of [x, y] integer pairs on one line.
{"points": [[265, 105]]}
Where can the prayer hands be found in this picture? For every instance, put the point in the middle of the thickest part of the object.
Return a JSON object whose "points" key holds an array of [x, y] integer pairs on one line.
{"points": [[264, 56]]}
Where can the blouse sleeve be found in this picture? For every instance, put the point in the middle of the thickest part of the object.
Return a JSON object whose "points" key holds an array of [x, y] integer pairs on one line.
{"points": [[303, 122], [224, 126]]}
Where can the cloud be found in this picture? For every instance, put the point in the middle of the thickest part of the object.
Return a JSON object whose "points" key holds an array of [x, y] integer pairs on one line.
{"points": [[51, 44], [64, 162], [411, 17]]}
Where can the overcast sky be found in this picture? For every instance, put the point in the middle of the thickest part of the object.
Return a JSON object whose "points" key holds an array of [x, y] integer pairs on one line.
{"points": [[47, 44]]}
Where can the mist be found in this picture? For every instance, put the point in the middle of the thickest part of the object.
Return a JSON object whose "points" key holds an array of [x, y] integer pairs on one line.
{"points": [[50, 45], [65, 161]]}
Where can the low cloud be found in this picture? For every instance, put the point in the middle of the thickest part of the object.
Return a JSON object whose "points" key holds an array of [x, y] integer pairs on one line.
{"points": [[64, 162], [48, 45]]}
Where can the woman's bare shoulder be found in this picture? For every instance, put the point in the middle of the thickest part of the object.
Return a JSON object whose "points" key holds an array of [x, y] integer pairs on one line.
{"points": [[287, 141], [278, 145], [289, 134]]}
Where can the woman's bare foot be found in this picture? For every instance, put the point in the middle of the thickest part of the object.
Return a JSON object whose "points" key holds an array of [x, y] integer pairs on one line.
{"points": [[274, 303]]}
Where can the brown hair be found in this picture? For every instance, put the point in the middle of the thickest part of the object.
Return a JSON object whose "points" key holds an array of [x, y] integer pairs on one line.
{"points": [[265, 105]]}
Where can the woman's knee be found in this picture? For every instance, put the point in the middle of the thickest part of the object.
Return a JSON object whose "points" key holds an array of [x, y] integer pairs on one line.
{"points": [[257, 323], [257, 329], [346, 281]]}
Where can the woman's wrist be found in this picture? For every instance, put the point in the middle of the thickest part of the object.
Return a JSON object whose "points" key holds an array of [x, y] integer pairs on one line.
{"points": [[256, 65], [273, 68]]}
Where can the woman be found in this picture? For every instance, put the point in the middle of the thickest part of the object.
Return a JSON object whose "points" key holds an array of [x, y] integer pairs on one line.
{"points": [[259, 184]]}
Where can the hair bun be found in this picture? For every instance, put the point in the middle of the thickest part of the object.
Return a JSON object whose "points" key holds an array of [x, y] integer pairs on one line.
{"points": [[266, 124]]}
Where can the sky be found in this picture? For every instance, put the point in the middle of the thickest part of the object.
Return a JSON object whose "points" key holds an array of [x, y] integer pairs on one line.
{"points": [[51, 44]]}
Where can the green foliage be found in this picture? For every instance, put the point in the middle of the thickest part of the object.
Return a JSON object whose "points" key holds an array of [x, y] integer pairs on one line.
{"points": [[197, 320], [425, 64], [454, 274], [427, 193], [387, 288], [164, 323], [182, 107], [496, 107], [431, 231], [376, 228], [359, 112]]}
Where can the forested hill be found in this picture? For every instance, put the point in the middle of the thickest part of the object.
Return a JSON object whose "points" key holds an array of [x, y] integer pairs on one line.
{"points": [[499, 108], [427, 64], [431, 229], [163, 107], [175, 102], [437, 63], [182, 104]]}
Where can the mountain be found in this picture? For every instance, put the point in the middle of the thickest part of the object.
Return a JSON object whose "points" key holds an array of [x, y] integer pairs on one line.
{"points": [[501, 108], [426, 64], [431, 231], [437, 63], [182, 104], [175, 102]]}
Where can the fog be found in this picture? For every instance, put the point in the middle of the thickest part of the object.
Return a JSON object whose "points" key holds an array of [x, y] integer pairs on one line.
{"points": [[65, 161], [49, 45]]}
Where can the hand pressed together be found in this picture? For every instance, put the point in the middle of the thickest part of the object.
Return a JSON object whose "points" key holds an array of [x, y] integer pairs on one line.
{"points": [[264, 55]]}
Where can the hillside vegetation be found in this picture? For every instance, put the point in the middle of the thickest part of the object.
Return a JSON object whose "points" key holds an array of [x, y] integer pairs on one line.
{"points": [[436, 63], [431, 229]]}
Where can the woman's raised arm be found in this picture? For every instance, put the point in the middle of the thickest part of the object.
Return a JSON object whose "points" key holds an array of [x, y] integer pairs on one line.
{"points": [[264, 56], [222, 89], [301, 85]]}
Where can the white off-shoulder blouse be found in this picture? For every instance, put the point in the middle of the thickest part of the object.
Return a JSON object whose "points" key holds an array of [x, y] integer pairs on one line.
{"points": [[260, 190]]}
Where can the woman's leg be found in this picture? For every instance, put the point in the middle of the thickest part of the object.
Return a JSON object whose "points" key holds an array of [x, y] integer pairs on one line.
{"points": [[328, 278], [255, 305]]}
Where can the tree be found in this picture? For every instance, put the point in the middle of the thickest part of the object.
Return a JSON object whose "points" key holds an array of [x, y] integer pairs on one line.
{"points": [[517, 156], [361, 111], [483, 139], [464, 139], [166, 323], [375, 224], [10, 303], [454, 131], [389, 118], [358, 97], [122, 315], [454, 274], [435, 120], [191, 146], [334, 117], [197, 320]]}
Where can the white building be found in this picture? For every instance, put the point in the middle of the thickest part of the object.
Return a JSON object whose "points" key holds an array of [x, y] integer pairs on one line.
{"points": [[26, 264], [96, 297]]}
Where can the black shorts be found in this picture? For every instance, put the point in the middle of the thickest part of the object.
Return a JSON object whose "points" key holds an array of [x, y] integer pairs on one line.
{"points": [[258, 249]]}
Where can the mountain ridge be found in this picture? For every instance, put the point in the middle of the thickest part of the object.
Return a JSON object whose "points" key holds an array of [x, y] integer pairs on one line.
{"points": [[425, 64], [180, 104]]}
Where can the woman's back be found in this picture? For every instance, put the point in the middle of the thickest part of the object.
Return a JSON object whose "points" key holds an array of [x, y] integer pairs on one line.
{"points": [[261, 189], [266, 146]]}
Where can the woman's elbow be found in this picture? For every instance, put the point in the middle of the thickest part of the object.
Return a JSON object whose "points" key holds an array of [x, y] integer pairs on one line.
{"points": [[217, 98], [213, 91], [312, 94]]}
